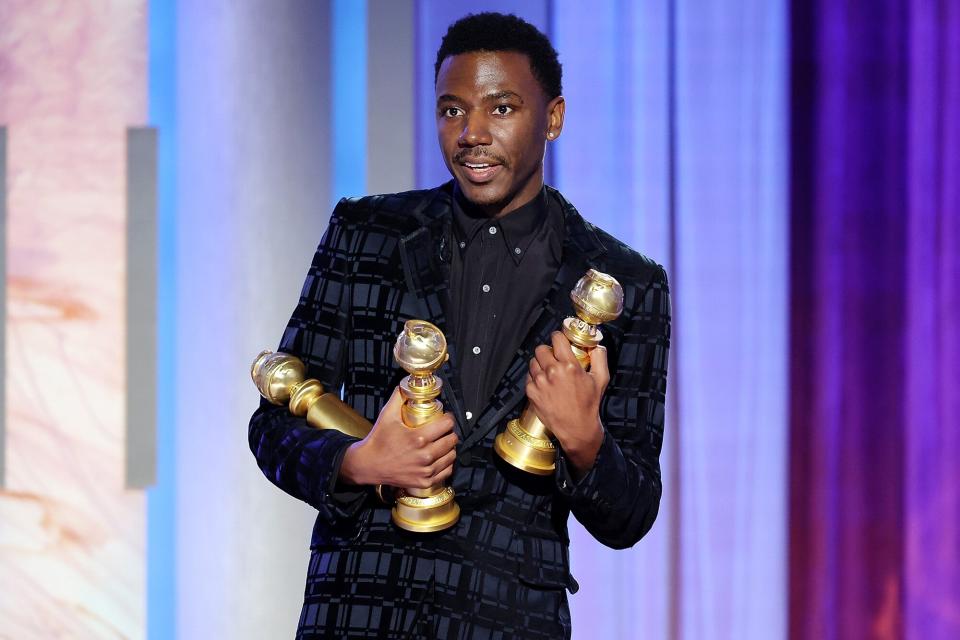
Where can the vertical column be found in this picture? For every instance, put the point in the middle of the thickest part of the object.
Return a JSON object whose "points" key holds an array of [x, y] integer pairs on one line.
{"points": [[161, 497], [253, 197], [390, 99], [141, 414], [349, 97]]}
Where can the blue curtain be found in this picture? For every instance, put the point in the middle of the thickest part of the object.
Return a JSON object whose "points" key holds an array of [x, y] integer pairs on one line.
{"points": [[676, 143]]}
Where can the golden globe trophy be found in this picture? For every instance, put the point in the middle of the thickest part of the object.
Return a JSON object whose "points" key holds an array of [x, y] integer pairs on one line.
{"points": [[421, 349], [526, 442], [280, 378]]}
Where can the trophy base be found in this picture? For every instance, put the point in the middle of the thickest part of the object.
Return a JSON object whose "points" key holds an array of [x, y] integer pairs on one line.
{"points": [[434, 512], [525, 452]]}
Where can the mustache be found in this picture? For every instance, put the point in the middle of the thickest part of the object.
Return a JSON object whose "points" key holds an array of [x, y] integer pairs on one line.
{"points": [[474, 155]]}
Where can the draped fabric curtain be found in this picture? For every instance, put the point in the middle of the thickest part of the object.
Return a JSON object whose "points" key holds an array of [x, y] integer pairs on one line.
{"points": [[932, 336], [675, 141], [613, 161], [875, 342]]}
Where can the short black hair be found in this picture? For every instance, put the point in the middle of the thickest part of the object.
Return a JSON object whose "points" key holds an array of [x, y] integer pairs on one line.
{"points": [[490, 31]]}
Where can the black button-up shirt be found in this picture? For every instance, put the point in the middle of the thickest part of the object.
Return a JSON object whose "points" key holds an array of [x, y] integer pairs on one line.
{"points": [[501, 270]]}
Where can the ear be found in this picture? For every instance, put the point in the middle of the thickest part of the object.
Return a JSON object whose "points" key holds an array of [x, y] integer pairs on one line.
{"points": [[555, 111]]}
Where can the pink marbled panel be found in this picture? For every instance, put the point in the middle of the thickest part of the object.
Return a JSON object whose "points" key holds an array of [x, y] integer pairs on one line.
{"points": [[72, 539]]}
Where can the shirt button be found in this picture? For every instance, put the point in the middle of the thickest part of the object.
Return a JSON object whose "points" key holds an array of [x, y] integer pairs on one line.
{"points": [[469, 415], [463, 244], [517, 251], [476, 351], [493, 230], [486, 288]]}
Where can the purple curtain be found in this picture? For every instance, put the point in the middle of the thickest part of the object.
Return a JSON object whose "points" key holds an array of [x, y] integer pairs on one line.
{"points": [[932, 482], [875, 320]]}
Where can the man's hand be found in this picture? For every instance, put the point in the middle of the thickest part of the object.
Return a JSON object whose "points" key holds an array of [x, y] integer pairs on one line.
{"points": [[396, 455], [567, 398]]}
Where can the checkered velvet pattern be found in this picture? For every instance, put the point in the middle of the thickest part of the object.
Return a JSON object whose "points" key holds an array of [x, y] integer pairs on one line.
{"points": [[503, 570]]}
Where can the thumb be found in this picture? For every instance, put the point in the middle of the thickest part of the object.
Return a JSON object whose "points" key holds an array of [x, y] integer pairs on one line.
{"points": [[396, 398], [392, 408], [598, 366]]}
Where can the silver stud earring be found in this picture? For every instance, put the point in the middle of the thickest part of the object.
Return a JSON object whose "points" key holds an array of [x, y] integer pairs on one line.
{"points": [[550, 135]]}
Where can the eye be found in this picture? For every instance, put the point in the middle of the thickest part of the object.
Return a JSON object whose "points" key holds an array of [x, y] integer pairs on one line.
{"points": [[502, 109], [451, 112]]}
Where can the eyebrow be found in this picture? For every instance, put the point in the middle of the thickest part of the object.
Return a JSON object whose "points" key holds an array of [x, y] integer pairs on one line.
{"points": [[448, 97], [499, 95]]}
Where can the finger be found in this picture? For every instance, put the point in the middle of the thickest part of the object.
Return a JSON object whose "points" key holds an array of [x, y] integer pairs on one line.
{"points": [[442, 476], [544, 356], [438, 427], [431, 452], [535, 368], [531, 390], [443, 463], [599, 367], [442, 447], [561, 348], [395, 399]]}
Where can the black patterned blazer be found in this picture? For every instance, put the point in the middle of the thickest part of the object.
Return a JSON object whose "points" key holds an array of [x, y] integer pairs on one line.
{"points": [[502, 571]]}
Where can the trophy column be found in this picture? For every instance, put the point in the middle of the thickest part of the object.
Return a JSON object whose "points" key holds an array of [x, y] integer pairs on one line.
{"points": [[280, 378], [526, 443], [421, 349]]}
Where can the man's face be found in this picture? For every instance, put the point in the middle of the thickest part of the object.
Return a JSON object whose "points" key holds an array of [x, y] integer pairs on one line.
{"points": [[493, 121]]}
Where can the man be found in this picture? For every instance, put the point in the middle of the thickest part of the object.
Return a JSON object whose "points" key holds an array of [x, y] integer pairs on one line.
{"points": [[491, 259]]}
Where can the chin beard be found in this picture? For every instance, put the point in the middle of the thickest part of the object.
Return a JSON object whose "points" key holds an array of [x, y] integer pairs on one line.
{"points": [[489, 202], [478, 198]]}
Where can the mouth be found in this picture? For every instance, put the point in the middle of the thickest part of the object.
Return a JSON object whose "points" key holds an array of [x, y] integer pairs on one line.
{"points": [[480, 172]]}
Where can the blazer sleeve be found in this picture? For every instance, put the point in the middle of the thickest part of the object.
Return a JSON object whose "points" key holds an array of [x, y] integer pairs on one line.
{"points": [[618, 499], [301, 460]]}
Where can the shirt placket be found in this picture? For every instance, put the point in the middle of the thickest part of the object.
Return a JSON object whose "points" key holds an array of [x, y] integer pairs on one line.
{"points": [[480, 343]]}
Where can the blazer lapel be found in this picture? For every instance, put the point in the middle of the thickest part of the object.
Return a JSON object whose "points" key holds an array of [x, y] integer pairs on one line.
{"points": [[581, 251], [425, 257]]}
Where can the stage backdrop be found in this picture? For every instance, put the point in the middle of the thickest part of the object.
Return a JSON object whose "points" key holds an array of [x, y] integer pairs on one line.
{"points": [[794, 166]]}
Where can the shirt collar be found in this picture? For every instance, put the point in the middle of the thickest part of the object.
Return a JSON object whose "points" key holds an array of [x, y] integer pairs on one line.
{"points": [[517, 228]]}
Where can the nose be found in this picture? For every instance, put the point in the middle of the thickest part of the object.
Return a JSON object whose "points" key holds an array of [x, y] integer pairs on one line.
{"points": [[475, 131]]}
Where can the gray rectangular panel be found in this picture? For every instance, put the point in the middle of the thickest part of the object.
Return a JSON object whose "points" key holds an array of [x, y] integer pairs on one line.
{"points": [[141, 410], [3, 305], [390, 96]]}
